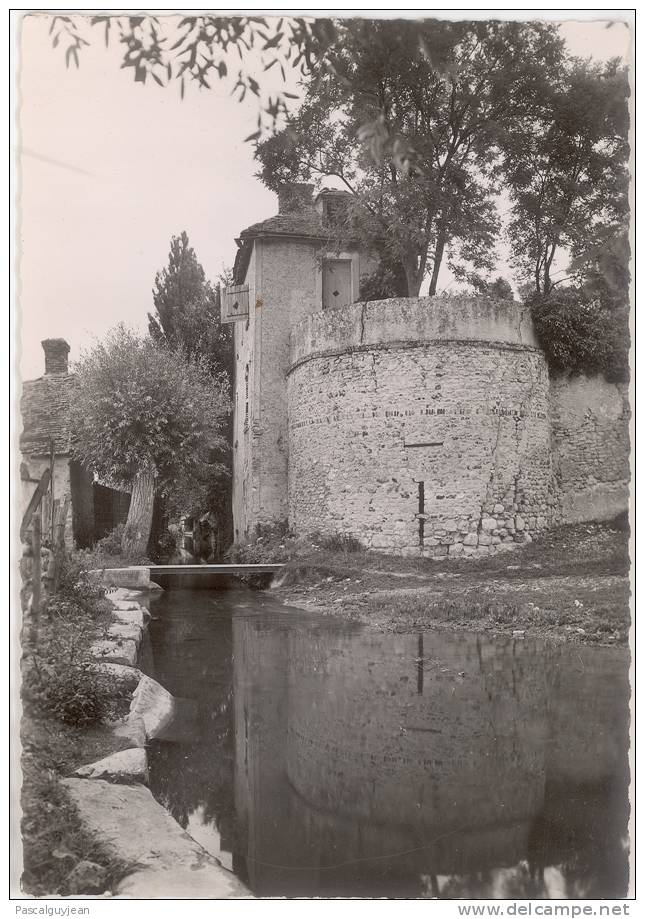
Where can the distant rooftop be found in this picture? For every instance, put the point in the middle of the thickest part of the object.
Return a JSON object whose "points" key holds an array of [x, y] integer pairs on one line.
{"points": [[45, 403]]}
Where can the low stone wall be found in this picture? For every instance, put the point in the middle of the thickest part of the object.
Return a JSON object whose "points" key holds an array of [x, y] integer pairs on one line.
{"points": [[590, 446], [420, 426]]}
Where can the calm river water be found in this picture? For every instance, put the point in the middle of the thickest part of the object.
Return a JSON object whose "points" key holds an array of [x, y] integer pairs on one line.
{"points": [[318, 758]]}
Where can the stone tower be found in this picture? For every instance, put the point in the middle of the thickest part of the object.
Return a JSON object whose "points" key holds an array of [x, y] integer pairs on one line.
{"points": [[286, 268]]}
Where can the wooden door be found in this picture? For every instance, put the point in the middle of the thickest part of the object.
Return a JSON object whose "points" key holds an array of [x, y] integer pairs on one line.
{"points": [[336, 283]]}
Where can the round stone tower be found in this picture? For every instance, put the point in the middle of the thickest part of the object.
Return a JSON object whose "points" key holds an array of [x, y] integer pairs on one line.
{"points": [[420, 426]]}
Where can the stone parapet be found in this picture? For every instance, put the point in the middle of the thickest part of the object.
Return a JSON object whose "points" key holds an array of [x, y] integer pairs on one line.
{"points": [[412, 321]]}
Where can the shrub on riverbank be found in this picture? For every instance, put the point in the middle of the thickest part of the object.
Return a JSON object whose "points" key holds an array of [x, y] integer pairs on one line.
{"points": [[66, 701], [275, 545], [107, 553]]}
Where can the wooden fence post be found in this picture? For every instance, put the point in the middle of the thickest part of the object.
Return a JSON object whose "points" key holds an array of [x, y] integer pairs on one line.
{"points": [[58, 547], [36, 572]]}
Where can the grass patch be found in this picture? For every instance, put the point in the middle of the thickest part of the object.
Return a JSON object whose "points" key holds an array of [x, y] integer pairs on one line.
{"points": [[570, 585]]}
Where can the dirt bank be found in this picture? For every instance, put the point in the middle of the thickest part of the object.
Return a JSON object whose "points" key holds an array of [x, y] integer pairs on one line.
{"points": [[570, 585]]}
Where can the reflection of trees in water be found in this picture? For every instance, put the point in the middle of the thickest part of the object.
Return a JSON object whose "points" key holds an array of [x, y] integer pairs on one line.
{"points": [[185, 777], [517, 883], [578, 837], [192, 651], [581, 830]]}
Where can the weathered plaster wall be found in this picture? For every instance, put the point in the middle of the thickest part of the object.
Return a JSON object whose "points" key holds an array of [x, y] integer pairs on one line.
{"points": [[449, 393], [289, 286], [285, 285], [244, 489], [590, 423]]}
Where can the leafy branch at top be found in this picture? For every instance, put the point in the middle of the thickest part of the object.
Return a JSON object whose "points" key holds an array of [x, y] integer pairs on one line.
{"points": [[197, 49]]}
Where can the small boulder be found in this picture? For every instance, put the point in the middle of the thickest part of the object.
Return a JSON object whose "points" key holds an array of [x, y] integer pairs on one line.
{"points": [[130, 617], [124, 604], [117, 651], [123, 593], [123, 766], [127, 631], [489, 523], [128, 677]]}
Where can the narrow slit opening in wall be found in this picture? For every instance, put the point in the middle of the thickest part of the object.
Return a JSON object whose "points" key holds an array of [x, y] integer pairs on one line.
{"points": [[421, 512]]}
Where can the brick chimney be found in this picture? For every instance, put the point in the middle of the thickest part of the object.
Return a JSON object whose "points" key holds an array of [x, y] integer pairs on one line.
{"points": [[294, 197], [56, 351]]}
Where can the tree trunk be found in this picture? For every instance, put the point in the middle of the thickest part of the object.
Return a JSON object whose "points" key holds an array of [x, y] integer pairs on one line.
{"points": [[438, 257], [412, 277], [137, 527]]}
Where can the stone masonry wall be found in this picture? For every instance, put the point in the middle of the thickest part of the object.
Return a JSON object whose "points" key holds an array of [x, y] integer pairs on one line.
{"points": [[590, 422], [420, 426]]}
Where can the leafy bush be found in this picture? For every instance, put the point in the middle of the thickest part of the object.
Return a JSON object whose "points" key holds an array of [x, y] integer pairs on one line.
{"points": [[580, 335], [61, 678], [111, 544], [75, 585], [274, 545], [73, 693], [166, 545], [107, 553]]}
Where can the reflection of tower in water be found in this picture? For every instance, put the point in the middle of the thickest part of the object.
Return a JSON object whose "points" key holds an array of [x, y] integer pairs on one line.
{"points": [[440, 752], [382, 764]]}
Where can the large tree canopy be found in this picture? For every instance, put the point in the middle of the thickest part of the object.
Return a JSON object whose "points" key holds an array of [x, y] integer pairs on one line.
{"points": [[413, 132], [565, 165], [144, 415]]}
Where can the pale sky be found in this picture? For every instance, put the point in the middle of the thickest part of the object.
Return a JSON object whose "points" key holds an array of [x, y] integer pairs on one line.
{"points": [[111, 169]]}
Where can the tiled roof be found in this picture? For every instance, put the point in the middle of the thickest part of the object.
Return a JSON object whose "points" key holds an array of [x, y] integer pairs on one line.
{"points": [[306, 224], [45, 413]]}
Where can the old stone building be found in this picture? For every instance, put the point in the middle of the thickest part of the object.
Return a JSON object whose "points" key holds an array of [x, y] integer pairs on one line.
{"points": [[45, 445], [425, 425]]}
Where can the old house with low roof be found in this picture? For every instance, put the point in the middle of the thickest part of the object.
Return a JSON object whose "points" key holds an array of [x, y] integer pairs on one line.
{"points": [[45, 444]]}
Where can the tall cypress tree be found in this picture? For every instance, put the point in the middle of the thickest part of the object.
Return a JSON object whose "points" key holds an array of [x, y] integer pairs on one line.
{"points": [[188, 316]]}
